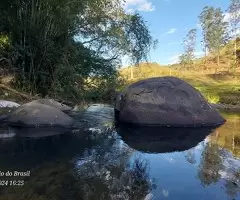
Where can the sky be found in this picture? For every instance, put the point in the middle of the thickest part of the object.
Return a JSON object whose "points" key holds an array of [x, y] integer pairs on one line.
{"points": [[169, 22]]}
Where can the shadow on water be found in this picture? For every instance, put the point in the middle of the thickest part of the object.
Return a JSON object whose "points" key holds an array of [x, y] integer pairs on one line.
{"points": [[27, 147], [85, 166], [162, 140]]}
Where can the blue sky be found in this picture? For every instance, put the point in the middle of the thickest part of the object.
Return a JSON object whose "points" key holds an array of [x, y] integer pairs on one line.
{"points": [[169, 22]]}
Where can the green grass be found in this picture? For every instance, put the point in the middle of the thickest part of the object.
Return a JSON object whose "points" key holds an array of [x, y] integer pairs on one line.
{"points": [[220, 93], [224, 89]]}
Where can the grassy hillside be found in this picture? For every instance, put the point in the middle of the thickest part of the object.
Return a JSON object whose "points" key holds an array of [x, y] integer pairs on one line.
{"points": [[208, 64], [228, 136], [222, 87]]}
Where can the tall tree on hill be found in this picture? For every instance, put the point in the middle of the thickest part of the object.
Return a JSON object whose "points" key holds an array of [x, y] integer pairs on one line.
{"points": [[183, 60], [214, 30], [234, 19], [205, 17], [189, 44]]}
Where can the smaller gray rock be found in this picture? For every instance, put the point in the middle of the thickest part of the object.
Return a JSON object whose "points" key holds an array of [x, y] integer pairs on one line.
{"points": [[8, 104], [39, 115], [53, 103]]}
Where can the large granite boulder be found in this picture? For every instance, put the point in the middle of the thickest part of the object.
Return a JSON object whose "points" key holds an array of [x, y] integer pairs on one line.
{"points": [[53, 103], [165, 101], [39, 115]]}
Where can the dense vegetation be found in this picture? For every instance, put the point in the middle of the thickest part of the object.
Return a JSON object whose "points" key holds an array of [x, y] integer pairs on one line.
{"points": [[68, 49]]}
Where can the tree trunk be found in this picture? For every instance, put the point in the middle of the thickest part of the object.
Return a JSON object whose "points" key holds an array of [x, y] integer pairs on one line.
{"points": [[218, 63], [131, 69], [205, 55], [235, 50], [233, 142], [15, 92]]}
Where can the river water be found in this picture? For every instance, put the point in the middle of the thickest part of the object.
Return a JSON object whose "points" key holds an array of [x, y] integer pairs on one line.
{"points": [[101, 161]]}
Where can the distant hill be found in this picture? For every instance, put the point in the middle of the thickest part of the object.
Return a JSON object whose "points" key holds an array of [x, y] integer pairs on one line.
{"points": [[144, 70], [204, 65], [209, 63]]}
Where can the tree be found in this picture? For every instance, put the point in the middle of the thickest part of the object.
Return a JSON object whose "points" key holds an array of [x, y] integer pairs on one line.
{"points": [[189, 44], [210, 164], [56, 45], [214, 30], [234, 14], [183, 60], [205, 17]]}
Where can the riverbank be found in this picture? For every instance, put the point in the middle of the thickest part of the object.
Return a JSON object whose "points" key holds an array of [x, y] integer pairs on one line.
{"points": [[222, 92]]}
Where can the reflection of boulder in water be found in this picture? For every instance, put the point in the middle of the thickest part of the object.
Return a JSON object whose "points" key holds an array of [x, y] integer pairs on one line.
{"points": [[27, 148], [160, 139]]}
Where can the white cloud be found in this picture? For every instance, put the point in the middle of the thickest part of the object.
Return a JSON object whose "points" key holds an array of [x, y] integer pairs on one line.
{"points": [[238, 31], [199, 26], [139, 5], [171, 31], [199, 53], [174, 59], [130, 11], [227, 17]]}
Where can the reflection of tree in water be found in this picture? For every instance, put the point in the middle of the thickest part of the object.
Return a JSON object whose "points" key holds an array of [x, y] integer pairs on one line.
{"points": [[190, 156], [210, 164], [118, 183], [107, 174], [232, 189], [213, 167], [101, 172], [232, 183]]}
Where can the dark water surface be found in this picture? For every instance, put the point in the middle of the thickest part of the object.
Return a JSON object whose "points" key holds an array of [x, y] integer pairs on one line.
{"points": [[98, 161]]}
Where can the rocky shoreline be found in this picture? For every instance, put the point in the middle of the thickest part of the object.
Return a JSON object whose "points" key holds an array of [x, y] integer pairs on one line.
{"points": [[50, 113], [37, 113]]}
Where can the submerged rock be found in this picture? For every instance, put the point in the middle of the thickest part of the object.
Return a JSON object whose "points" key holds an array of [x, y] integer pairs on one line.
{"points": [[39, 115], [165, 101], [53, 103]]}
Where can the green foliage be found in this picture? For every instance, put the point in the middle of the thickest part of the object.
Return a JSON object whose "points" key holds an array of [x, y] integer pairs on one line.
{"points": [[4, 42], [234, 12], [57, 45], [210, 165], [183, 60], [189, 44], [214, 29], [234, 16]]}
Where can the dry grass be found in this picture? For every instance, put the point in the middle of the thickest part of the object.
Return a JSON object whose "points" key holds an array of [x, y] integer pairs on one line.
{"points": [[217, 88]]}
